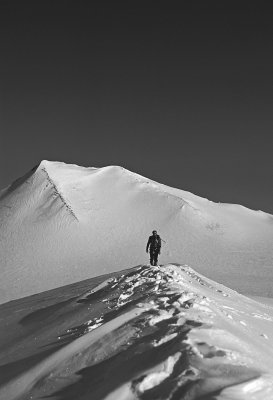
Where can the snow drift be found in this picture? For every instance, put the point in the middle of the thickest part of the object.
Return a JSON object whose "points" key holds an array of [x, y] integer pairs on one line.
{"points": [[160, 333], [63, 223]]}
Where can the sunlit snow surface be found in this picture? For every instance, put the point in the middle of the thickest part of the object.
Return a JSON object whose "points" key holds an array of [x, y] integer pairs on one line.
{"points": [[63, 223], [147, 333]]}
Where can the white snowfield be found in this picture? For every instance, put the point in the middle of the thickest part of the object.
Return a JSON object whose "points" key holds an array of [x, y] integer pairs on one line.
{"points": [[63, 223], [161, 333]]}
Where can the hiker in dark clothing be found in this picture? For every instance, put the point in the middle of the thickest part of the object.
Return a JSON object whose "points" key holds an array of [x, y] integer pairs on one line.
{"points": [[154, 243]]}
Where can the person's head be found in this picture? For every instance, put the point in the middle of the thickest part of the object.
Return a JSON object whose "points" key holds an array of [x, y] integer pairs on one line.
{"points": [[154, 233]]}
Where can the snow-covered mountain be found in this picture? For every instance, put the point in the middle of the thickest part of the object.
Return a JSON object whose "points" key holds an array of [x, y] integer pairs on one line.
{"points": [[162, 333], [63, 223]]}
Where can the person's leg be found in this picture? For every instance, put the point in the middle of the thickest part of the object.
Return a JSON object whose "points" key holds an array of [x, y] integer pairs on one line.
{"points": [[151, 257], [155, 257]]}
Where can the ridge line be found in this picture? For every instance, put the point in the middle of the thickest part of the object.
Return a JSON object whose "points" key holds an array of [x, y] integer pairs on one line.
{"points": [[58, 193]]}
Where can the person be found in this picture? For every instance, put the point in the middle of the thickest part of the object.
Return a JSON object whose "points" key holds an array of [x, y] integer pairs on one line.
{"points": [[154, 245]]}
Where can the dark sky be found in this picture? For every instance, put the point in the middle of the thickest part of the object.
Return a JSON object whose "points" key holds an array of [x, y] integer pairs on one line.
{"points": [[180, 92]]}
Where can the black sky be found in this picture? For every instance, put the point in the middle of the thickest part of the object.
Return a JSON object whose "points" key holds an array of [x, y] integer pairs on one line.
{"points": [[180, 92]]}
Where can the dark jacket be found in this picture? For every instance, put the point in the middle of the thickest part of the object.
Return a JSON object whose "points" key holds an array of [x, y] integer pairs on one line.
{"points": [[154, 243]]}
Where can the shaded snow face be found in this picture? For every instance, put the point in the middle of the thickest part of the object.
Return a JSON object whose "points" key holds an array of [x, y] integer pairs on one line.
{"points": [[150, 333], [63, 223]]}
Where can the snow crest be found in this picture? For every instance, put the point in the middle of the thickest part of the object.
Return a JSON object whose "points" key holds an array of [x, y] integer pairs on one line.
{"points": [[162, 332]]}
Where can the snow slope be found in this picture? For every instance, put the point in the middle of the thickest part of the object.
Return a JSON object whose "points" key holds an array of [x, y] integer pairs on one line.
{"points": [[63, 223], [146, 333]]}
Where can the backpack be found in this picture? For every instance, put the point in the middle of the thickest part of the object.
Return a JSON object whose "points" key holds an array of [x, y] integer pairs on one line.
{"points": [[155, 242]]}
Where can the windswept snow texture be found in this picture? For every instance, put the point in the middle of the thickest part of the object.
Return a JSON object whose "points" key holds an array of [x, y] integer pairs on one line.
{"points": [[63, 223], [146, 333]]}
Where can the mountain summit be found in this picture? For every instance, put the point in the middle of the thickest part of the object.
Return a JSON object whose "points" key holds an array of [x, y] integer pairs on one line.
{"points": [[62, 223]]}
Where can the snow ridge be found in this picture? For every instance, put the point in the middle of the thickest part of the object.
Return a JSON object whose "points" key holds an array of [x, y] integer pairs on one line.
{"points": [[57, 193], [162, 332]]}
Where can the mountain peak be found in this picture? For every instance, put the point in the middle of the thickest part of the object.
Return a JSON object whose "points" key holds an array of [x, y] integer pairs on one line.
{"points": [[62, 223]]}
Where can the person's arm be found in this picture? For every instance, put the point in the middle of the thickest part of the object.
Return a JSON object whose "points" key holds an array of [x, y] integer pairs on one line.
{"points": [[148, 244]]}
